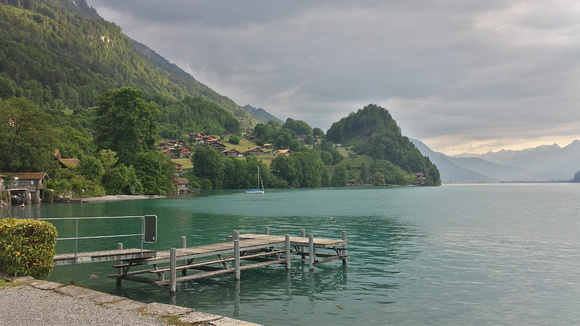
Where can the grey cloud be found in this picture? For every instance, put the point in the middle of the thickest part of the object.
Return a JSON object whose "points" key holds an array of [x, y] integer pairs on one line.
{"points": [[479, 69]]}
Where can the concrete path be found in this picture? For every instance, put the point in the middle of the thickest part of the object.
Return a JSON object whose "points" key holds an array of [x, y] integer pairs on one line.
{"points": [[36, 302]]}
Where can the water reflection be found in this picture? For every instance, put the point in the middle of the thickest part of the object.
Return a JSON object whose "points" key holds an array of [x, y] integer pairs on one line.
{"points": [[381, 241]]}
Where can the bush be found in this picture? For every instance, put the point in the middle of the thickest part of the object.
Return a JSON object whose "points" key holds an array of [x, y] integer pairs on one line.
{"points": [[27, 247], [235, 140]]}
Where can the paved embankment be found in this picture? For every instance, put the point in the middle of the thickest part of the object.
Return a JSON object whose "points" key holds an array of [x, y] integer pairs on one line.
{"points": [[36, 302]]}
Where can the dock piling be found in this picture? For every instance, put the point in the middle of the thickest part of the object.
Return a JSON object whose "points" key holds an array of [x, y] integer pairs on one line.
{"points": [[119, 262], [344, 246], [311, 252], [302, 234], [287, 245], [267, 231], [172, 270], [184, 245], [237, 259]]}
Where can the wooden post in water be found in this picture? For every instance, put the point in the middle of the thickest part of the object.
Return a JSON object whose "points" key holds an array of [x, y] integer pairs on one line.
{"points": [[311, 252], [235, 235], [172, 271], [288, 258], [267, 230], [119, 262], [344, 246], [237, 259], [184, 245], [302, 234]]}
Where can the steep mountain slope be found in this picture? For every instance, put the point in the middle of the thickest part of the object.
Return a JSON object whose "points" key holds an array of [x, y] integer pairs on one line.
{"points": [[451, 172], [61, 54], [260, 114]]}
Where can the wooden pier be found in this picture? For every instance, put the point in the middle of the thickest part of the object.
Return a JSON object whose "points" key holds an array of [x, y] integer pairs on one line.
{"points": [[101, 256], [254, 250]]}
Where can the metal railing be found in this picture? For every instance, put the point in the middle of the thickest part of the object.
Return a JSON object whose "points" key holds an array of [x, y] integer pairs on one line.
{"points": [[148, 229]]}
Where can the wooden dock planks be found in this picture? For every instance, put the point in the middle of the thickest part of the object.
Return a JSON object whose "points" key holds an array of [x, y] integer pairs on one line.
{"points": [[211, 250], [294, 241], [101, 256]]}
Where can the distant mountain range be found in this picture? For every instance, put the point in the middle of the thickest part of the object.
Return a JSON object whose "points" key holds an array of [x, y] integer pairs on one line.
{"points": [[540, 164], [260, 114]]}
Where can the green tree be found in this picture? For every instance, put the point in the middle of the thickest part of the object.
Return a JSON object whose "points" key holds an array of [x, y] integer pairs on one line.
{"points": [[91, 168], [377, 179], [122, 180], [339, 177], [154, 170], [208, 164], [27, 141], [363, 173], [235, 140], [318, 132], [126, 123]]}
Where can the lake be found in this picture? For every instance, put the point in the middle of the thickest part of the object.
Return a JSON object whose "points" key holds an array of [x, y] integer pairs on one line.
{"points": [[497, 254]]}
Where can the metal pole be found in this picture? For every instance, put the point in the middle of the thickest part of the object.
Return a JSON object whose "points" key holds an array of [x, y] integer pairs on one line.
{"points": [[119, 262], [184, 245], [237, 259], [311, 252], [288, 258], [267, 230], [236, 235], [344, 246], [172, 271], [142, 233], [76, 238]]}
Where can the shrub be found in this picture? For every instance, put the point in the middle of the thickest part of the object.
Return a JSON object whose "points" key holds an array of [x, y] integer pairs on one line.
{"points": [[27, 247]]}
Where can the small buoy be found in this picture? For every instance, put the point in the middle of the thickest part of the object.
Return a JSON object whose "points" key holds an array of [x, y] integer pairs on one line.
{"points": [[340, 307]]}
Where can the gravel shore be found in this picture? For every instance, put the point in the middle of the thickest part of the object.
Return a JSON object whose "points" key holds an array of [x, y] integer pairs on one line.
{"points": [[27, 305], [36, 302]]}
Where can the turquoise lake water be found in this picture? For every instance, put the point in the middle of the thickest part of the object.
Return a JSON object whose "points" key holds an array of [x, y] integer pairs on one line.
{"points": [[451, 255]]}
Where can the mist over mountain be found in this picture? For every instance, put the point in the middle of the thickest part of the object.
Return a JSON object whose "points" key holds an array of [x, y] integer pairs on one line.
{"points": [[543, 163]]}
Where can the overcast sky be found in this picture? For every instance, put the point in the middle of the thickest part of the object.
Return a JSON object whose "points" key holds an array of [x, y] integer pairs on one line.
{"points": [[462, 76]]}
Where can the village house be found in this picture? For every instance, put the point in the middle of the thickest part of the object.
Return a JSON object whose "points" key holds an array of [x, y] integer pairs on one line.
{"points": [[185, 152], [178, 169], [267, 146], [196, 135], [232, 152], [216, 144], [286, 152], [204, 140], [25, 187], [65, 162], [174, 149], [421, 179], [254, 151], [181, 184]]}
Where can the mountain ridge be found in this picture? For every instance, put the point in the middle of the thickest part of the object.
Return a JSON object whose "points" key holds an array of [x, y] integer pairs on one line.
{"points": [[540, 164]]}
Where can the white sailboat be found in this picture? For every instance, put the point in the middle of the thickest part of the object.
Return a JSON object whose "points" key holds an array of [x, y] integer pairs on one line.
{"points": [[258, 190]]}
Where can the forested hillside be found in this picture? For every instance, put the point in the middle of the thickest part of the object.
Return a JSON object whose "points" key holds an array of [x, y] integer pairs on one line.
{"points": [[61, 55], [74, 86], [372, 131]]}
